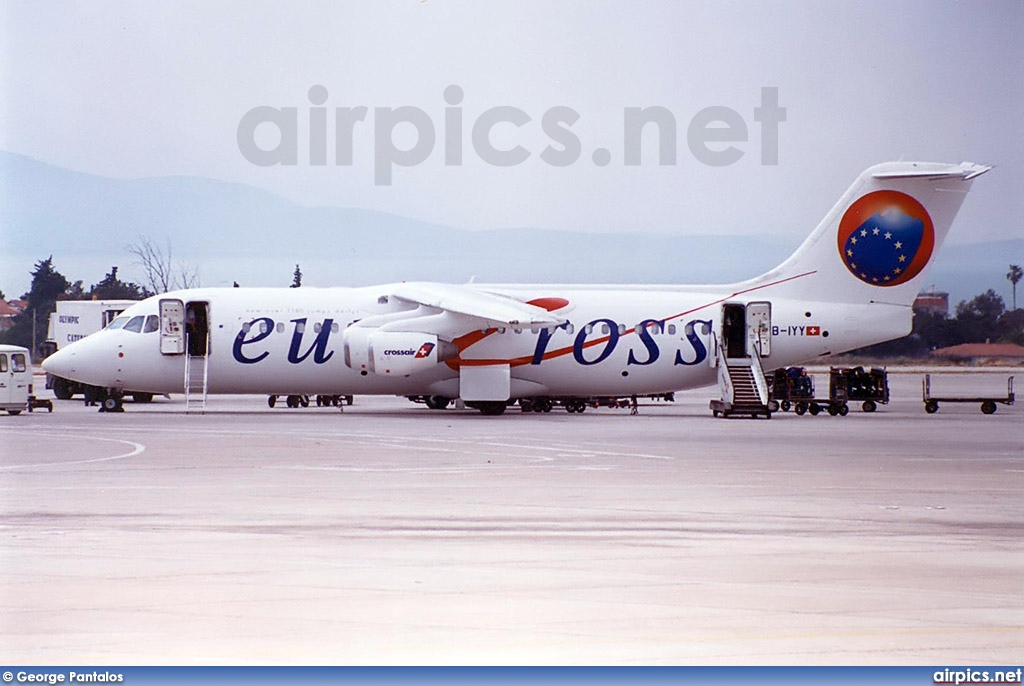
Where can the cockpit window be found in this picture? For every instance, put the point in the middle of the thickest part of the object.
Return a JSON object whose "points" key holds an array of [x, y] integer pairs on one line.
{"points": [[152, 324], [117, 323], [135, 324]]}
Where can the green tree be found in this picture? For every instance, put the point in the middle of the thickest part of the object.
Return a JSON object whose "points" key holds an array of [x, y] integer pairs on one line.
{"points": [[1011, 327], [977, 320], [296, 278], [47, 286], [112, 288], [1014, 276], [75, 292]]}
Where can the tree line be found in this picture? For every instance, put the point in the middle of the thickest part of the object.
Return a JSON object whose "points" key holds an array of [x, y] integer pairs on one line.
{"points": [[162, 274]]}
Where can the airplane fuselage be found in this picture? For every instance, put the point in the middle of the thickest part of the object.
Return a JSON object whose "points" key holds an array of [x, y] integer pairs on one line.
{"points": [[615, 342]]}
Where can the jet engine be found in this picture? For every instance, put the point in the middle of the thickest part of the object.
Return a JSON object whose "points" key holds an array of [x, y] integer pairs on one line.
{"points": [[394, 353]]}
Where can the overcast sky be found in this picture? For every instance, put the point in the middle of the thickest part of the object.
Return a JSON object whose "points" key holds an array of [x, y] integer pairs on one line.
{"points": [[146, 89]]}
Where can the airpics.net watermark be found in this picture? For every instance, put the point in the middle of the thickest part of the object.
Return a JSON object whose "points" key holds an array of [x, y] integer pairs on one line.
{"points": [[710, 134]]}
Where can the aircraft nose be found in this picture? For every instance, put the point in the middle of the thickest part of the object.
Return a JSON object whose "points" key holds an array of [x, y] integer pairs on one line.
{"points": [[60, 363], [86, 362]]}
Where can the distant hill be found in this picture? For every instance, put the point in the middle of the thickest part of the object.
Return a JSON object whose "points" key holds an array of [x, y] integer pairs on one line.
{"points": [[234, 232]]}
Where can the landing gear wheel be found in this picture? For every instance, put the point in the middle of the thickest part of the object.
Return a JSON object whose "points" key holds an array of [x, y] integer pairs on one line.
{"points": [[60, 389], [801, 408], [304, 400], [142, 397], [844, 410], [815, 409], [869, 406], [785, 405], [292, 401], [931, 407], [437, 402], [988, 407], [526, 405], [491, 409], [833, 410], [112, 404], [271, 400]]}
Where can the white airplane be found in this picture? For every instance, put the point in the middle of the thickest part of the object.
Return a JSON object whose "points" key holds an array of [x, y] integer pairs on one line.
{"points": [[852, 283]]}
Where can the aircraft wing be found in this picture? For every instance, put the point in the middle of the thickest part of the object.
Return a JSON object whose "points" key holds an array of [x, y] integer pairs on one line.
{"points": [[484, 308]]}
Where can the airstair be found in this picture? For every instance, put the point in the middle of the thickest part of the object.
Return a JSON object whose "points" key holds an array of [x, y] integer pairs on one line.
{"points": [[196, 375], [742, 383]]}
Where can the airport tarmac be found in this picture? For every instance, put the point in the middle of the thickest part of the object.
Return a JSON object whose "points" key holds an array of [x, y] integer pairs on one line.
{"points": [[394, 534]]}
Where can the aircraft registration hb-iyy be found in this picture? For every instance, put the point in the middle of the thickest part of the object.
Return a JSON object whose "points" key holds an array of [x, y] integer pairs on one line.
{"points": [[852, 283]]}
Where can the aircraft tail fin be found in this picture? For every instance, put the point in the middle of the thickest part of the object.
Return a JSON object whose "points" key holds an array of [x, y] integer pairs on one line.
{"points": [[877, 242]]}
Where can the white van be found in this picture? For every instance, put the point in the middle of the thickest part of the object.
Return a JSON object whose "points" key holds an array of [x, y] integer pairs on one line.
{"points": [[15, 378]]}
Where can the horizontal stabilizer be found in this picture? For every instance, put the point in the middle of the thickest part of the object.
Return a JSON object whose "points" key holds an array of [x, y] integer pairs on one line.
{"points": [[965, 171]]}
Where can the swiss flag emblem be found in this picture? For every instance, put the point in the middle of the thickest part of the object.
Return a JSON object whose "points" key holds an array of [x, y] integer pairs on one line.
{"points": [[424, 351], [813, 330]]}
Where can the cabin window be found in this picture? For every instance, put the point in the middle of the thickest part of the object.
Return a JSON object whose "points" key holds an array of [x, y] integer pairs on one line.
{"points": [[622, 329], [18, 362], [334, 327], [117, 323], [589, 328], [569, 329], [316, 327], [152, 324], [3, 363], [280, 327], [264, 327], [135, 324], [605, 329], [671, 329]]}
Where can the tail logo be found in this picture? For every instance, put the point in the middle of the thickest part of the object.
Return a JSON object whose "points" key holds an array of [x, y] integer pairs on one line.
{"points": [[886, 238], [424, 351]]}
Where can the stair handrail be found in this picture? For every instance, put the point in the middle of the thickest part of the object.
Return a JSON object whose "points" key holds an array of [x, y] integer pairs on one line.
{"points": [[724, 381], [187, 365], [206, 370], [759, 378]]}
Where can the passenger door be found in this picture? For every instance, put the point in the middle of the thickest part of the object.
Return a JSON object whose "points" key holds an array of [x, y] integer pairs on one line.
{"points": [[759, 327], [172, 327], [6, 380]]}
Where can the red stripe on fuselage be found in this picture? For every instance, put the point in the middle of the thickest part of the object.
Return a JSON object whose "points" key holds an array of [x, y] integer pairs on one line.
{"points": [[464, 342]]}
